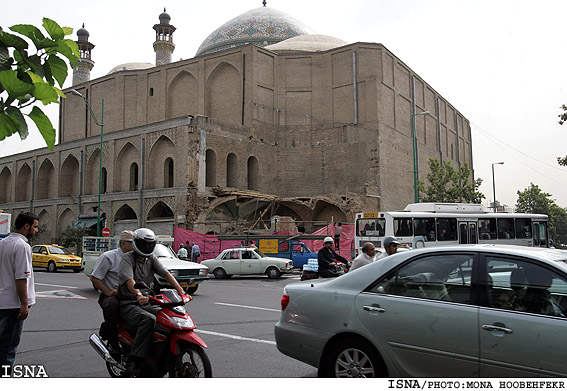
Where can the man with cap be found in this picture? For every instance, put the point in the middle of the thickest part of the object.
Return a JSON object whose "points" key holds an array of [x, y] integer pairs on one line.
{"points": [[390, 245], [327, 259], [105, 278]]}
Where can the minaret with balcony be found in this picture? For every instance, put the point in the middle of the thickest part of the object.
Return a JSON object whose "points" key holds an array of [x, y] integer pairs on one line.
{"points": [[82, 72], [163, 44]]}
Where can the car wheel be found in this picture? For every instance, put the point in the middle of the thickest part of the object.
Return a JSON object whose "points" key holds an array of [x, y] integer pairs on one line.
{"points": [[51, 267], [191, 290], [76, 270], [352, 358], [273, 272], [219, 273]]}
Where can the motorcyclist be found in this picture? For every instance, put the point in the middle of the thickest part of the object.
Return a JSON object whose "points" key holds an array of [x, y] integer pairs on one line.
{"points": [[105, 278], [328, 258], [139, 266]]}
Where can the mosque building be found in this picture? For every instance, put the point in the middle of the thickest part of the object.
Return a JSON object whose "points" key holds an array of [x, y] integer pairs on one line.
{"points": [[267, 119]]}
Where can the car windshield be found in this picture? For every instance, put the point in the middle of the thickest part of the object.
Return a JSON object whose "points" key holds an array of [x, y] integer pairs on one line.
{"points": [[58, 250], [259, 253], [162, 251]]}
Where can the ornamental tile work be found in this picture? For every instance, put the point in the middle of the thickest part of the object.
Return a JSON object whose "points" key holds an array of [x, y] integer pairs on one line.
{"points": [[259, 26]]}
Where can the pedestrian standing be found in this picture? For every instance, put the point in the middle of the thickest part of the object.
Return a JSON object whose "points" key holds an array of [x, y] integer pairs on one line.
{"points": [[338, 229], [195, 253], [17, 290]]}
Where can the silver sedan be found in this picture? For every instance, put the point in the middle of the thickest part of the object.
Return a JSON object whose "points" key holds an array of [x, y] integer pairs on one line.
{"points": [[463, 311]]}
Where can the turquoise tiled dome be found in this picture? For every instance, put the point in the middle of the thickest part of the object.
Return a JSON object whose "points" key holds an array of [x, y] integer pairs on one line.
{"points": [[261, 26]]}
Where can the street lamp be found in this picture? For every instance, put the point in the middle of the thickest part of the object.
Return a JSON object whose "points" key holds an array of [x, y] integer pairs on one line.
{"points": [[415, 168], [493, 186], [101, 124]]}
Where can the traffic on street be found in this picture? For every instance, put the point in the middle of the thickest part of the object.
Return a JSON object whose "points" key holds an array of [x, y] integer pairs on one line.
{"points": [[235, 317]]}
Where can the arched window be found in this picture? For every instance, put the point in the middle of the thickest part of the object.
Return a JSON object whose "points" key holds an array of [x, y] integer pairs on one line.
{"points": [[252, 173], [103, 179], [168, 173], [211, 168], [231, 170], [134, 177]]}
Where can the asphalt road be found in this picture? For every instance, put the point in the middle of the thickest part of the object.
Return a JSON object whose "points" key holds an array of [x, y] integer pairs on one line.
{"points": [[235, 317]]}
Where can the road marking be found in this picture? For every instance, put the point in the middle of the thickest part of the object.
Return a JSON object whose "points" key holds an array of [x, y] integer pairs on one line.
{"points": [[60, 294], [247, 306], [58, 286], [236, 337]]}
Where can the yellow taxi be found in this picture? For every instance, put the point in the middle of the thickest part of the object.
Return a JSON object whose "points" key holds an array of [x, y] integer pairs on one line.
{"points": [[53, 257]]}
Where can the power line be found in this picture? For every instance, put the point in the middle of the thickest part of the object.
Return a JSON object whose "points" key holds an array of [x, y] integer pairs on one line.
{"points": [[556, 179]]}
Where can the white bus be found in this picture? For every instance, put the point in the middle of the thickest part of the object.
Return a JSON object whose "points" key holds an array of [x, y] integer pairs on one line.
{"points": [[443, 224]]}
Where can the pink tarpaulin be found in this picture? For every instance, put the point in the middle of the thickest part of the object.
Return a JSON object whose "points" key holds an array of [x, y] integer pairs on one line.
{"points": [[211, 246]]}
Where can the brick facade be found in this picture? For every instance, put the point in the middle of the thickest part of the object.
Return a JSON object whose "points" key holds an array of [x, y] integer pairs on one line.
{"points": [[291, 127]]}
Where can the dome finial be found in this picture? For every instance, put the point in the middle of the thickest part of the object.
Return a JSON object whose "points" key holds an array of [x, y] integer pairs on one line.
{"points": [[264, 2]]}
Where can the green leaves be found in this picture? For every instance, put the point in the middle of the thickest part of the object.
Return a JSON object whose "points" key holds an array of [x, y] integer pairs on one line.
{"points": [[31, 77], [44, 125], [534, 200], [14, 86], [447, 184]]}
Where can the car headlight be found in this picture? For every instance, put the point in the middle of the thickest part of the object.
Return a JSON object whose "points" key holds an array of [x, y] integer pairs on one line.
{"points": [[174, 273], [204, 272]]}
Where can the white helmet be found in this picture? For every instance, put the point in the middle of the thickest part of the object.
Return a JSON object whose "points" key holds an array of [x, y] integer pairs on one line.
{"points": [[328, 239], [144, 242]]}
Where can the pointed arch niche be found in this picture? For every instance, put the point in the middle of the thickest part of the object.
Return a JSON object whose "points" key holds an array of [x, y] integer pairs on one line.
{"points": [[182, 98], [224, 88]]}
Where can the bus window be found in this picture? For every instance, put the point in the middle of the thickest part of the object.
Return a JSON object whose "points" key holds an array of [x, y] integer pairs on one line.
{"points": [[487, 229], [523, 230], [446, 229], [403, 227], [370, 227], [424, 227], [540, 236], [506, 229]]}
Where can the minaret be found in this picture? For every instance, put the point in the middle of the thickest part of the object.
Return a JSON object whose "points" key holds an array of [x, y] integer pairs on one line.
{"points": [[82, 72], [163, 45]]}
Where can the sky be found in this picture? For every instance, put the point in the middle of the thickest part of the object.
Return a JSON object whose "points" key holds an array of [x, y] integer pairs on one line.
{"points": [[501, 64]]}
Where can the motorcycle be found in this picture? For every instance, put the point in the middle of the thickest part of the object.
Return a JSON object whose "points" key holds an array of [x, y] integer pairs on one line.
{"points": [[176, 350], [311, 271]]}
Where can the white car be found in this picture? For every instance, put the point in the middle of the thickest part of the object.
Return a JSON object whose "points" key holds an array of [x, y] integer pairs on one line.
{"points": [[247, 260], [188, 274], [463, 311]]}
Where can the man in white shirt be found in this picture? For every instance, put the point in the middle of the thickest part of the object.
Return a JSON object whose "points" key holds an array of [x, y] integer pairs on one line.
{"points": [[17, 290], [366, 257], [105, 278], [391, 247], [182, 253]]}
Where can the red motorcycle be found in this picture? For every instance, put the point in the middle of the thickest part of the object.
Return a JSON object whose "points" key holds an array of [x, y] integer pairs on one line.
{"points": [[176, 350]]}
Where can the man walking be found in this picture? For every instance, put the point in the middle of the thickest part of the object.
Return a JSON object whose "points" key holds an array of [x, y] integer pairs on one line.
{"points": [[365, 258], [17, 291], [182, 253], [195, 253], [105, 278]]}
